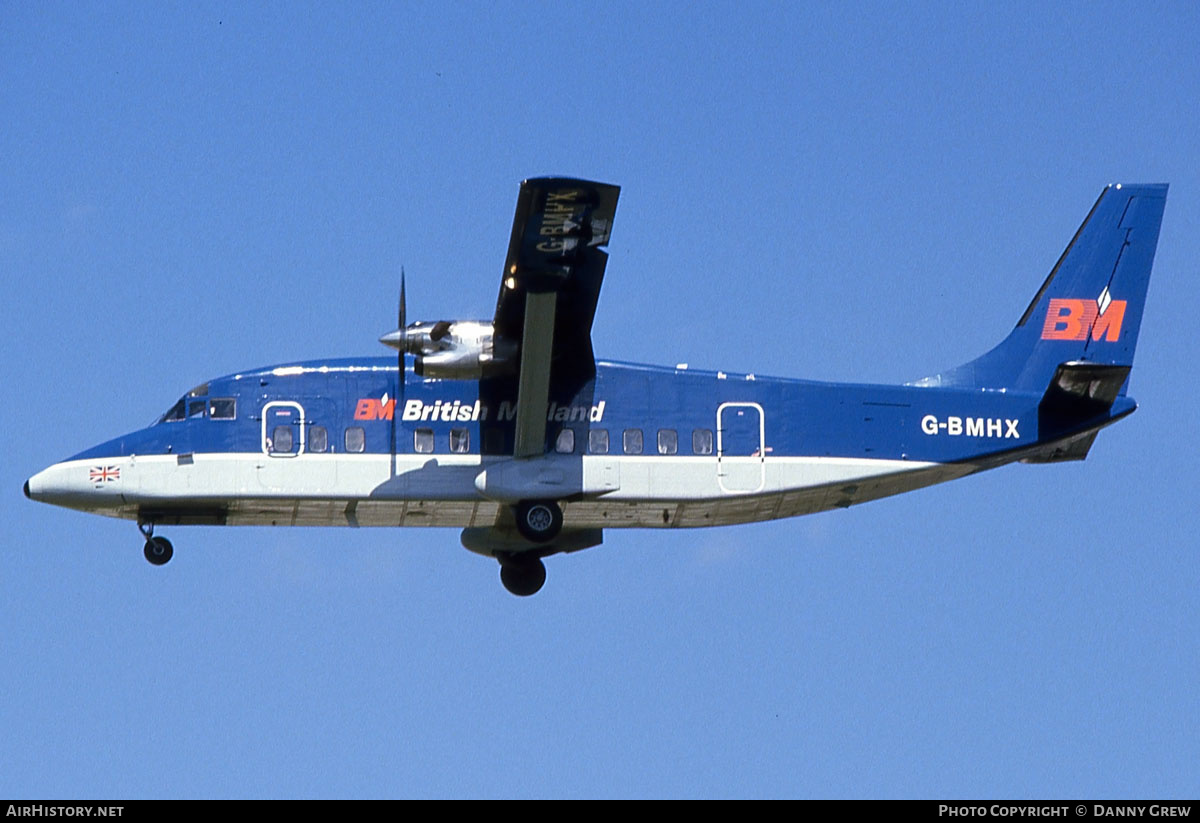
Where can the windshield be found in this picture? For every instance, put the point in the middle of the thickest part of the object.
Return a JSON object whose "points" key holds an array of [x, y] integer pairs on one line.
{"points": [[182, 409], [190, 407], [173, 413]]}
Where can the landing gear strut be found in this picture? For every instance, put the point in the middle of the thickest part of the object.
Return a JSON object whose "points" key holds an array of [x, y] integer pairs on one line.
{"points": [[158, 550], [522, 575]]}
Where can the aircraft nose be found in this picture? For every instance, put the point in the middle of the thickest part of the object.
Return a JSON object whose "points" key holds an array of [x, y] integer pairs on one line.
{"points": [[62, 485], [83, 484], [36, 486]]}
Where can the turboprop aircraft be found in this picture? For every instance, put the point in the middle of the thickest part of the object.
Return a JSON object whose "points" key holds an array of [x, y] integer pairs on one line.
{"points": [[513, 431]]}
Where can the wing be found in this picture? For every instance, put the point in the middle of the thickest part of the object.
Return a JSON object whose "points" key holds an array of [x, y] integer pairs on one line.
{"points": [[552, 278]]}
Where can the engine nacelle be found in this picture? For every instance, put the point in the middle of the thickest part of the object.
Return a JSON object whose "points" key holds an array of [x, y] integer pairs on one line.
{"points": [[460, 350]]}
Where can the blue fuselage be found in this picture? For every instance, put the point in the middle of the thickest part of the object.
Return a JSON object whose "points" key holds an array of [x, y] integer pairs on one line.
{"points": [[799, 418], [356, 402]]}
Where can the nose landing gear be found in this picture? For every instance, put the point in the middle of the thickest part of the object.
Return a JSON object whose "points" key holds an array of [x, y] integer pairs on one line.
{"points": [[158, 550]]}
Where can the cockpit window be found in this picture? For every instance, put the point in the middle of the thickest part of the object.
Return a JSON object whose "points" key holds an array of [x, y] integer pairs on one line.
{"points": [[222, 408], [173, 413], [195, 405]]}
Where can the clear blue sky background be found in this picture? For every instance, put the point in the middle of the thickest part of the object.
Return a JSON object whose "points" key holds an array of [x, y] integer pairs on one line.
{"points": [[827, 190]]}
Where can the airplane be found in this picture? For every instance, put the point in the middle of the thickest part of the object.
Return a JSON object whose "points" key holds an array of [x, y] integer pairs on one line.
{"points": [[513, 431]]}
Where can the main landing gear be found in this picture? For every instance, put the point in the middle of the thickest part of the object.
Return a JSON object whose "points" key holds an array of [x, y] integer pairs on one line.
{"points": [[538, 521], [158, 550], [522, 574]]}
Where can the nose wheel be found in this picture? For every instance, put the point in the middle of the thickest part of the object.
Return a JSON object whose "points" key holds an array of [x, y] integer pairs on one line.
{"points": [[158, 550]]}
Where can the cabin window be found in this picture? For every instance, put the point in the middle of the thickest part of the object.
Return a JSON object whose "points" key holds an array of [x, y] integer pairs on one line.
{"points": [[460, 441], [423, 441], [318, 439], [598, 441], [281, 440], [196, 409], [565, 444], [632, 440], [356, 439], [702, 441], [222, 408], [668, 441]]}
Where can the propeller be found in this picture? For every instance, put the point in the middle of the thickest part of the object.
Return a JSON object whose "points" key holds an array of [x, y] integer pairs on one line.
{"points": [[398, 339], [419, 338], [401, 324]]}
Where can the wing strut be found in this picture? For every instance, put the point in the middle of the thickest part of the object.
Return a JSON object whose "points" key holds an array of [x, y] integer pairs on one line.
{"points": [[533, 392]]}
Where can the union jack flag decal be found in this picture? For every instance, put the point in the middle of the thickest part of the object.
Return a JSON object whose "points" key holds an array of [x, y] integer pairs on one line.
{"points": [[104, 474]]}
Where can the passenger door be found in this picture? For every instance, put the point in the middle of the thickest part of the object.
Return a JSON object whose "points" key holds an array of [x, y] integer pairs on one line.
{"points": [[740, 447], [296, 449]]}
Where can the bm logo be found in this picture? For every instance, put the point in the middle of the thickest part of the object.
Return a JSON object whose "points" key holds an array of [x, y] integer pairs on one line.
{"points": [[1069, 319]]}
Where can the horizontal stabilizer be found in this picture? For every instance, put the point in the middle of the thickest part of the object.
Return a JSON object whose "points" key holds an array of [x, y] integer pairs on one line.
{"points": [[1073, 448], [1079, 392], [1076, 402]]}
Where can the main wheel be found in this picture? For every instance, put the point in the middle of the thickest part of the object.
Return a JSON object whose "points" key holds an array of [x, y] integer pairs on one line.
{"points": [[523, 577], [539, 521], [158, 550]]}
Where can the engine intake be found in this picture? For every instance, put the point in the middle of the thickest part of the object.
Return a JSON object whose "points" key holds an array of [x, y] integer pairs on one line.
{"points": [[458, 350]]}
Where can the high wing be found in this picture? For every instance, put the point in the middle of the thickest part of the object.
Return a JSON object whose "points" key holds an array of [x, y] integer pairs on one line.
{"points": [[552, 278]]}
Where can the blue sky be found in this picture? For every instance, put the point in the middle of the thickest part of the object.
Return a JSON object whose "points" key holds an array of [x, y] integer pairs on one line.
{"points": [[834, 191]]}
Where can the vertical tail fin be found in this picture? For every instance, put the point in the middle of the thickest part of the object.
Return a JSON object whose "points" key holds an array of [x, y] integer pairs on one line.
{"points": [[1090, 307]]}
